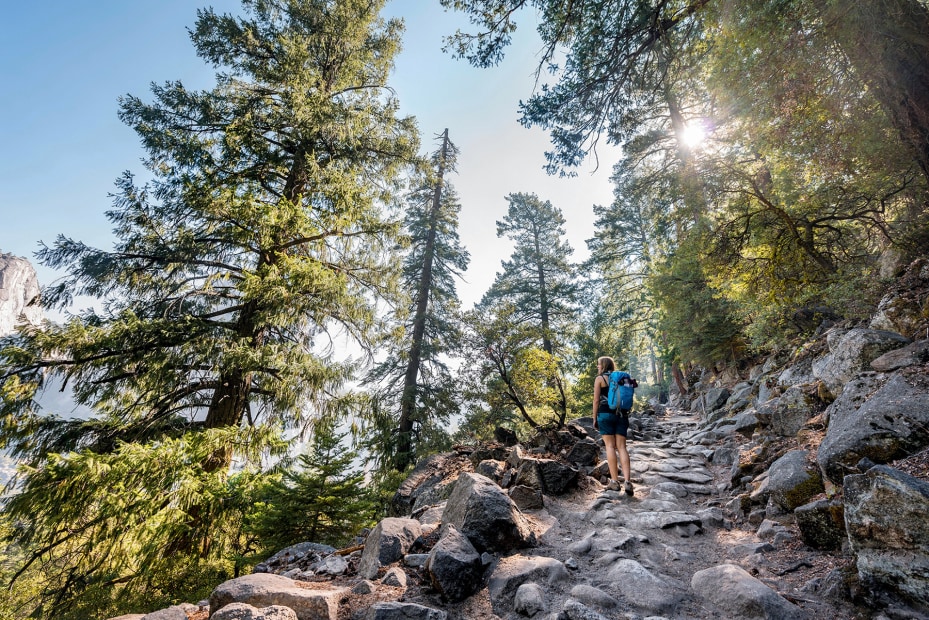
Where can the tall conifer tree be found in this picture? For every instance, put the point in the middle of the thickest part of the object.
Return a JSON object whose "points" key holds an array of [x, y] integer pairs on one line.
{"points": [[537, 290], [539, 278], [417, 381], [262, 232]]}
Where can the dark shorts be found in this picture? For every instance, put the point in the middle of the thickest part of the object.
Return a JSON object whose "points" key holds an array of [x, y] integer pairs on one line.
{"points": [[613, 423]]}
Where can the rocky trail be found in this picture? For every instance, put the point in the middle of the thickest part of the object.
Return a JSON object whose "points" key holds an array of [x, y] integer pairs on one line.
{"points": [[634, 557], [669, 551], [682, 547]]}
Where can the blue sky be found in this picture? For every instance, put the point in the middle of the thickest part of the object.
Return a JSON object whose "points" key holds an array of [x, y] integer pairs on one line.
{"points": [[63, 65]]}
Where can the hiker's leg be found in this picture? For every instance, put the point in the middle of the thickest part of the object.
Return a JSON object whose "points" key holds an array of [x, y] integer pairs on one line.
{"points": [[623, 457], [610, 442]]}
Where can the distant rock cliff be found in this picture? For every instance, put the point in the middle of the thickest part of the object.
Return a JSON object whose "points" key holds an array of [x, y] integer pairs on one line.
{"points": [[19, 293]]}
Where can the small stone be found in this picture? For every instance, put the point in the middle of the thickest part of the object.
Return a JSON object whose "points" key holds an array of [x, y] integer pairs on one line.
{"points": [[529, 600], [395, 577], [364, 587]]}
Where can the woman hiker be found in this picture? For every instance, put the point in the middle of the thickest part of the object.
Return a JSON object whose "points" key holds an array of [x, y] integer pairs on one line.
{"points": [[613, 426]]}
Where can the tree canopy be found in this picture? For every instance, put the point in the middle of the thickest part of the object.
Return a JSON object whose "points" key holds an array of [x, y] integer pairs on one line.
{"points": [[264, 233], [783, 142]]}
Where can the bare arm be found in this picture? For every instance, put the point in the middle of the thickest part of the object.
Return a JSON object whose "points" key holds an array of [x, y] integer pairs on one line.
{"points": [[596, 403]]}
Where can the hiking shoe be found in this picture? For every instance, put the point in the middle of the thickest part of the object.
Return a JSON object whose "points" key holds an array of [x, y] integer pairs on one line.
{"points": [[613, 485], [628, 487]]}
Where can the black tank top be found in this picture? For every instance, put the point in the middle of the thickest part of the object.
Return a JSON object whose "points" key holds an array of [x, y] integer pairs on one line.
{"points": [[604, 406]]}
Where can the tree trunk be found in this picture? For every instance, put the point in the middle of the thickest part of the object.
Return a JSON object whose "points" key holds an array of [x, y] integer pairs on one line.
{"points": [[651, 355], [679, 378], [404, 454], [543, 299], [230, 400]]}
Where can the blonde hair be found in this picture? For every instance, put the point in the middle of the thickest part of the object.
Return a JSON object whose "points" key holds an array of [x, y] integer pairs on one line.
{"points": [[607, 362]]}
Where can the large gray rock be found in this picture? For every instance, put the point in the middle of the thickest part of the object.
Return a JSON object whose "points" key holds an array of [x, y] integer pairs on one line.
{"points": [[767, 389], [330, 565], [725, 455], [527, 474], [491, 468], [792, 482], [910, 355], [454, 565], [903, 309], [395, 577], [530, 600], [642, 588], [892, 424], [739, 595], [19, 294], [593, 597], [885, 514], [557, 478], [855, 393], [786, 414], [853, 353], [243, 611], [547, 475], [513, 571], [265, 590], [797, 373], [387, 543], [822, 524], [175, 612], [741, 393], [403, 611], [651, 520], [482, 511], [746, 423], [890, 263], [429, 483], [584, 452], [715, 398], [526, 497]]}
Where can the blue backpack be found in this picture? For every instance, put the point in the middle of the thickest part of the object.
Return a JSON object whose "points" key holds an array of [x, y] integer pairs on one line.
{"points": [[622, 389]]}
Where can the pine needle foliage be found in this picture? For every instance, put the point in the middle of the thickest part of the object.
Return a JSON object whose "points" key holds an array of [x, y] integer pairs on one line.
{"points": [[414, 386], [263, 233], [323, 499], [539, 277], [793, 133]]}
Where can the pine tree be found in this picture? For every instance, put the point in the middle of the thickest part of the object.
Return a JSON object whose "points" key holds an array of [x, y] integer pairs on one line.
{"points": [[538, 279], [520, 331], [261, 235], [323, 500], [414, 380]]}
